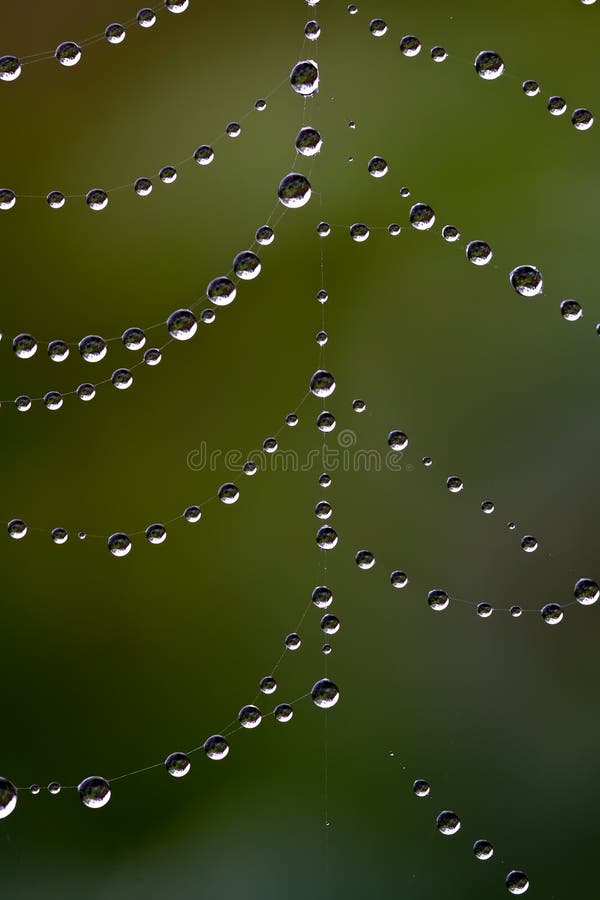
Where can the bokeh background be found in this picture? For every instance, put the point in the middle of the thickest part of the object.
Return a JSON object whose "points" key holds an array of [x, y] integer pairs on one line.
{"points": [[108, 665]]}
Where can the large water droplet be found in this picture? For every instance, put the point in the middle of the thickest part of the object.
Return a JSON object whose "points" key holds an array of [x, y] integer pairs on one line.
{"points": [[552, 613], [221, 291], [182, 324], [438, 600], [483, 849], [304, 77], [325, 693], [177, 764], [448, 822], [10, 68], [479, 253], [517, 882], [68, 53], [119, 544], [94, 792], [489, 65], [586, 591], [294, 190], [308, 141], [8, 797], [216, 747], [526, 280]]}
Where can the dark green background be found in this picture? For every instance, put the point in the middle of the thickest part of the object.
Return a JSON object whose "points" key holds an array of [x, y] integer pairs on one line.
{"points": [[108, 665]]}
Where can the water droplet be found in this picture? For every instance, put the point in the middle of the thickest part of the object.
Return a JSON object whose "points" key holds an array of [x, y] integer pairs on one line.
{"points": [[325, 693], [115, 33], [122, 379], [556, 106], [586, 591], [260, 105], [312, 30], [359, 232], [249, 468], [177, 6], [228, 493], [291, 420], [156, 534], [378, 27], [489, 65], [216, 747], [177, 764], [326, 422], [516, 612], [330, 624], [58, 351], [454, 484], [552, 613], [247, 265], [68, 53], [327, 538], [487, 507], [397, 440], [7, 198], [582, 119], [483, 850], [265, 235], [322, 597], [133, 338], [34, 789], [8, 797], [10, 68], [531, 88], [322, 383], [422, 217], [182, 324], [192, 514], [326, 649], [377, 167], [250, 716], [571, 310], [283, 712], [86, 391], [146, 17], [308, 141], [359, 406], [233, 130], [94, 792], [526, 280], [323, 510], [270, 445], [24, 346], [208, 316], [293, 641], [81, 535], [479, 253], [352, 9], [517, 882], [294, 190], [365, 559], [322, 338], [59, 535], [17, 529], [143, 187], [268, 685], [325, 480], [55, 199], [92, 348], [398, 579], [204, 155], [511, 526], [153, 356], [450, 233], [54, 788], [484, 610], [323, 229], [410, 45], [96, 199], [404, 193], [394, 229], [438, 600], [439, 54], [119, 544], [23, 403], [529, 543], [304, 77], [448, 822], [168, 174], [421, 788], [427, 461]]}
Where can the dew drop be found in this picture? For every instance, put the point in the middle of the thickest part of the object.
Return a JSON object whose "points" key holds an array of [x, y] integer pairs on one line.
{"points": [[260, 105], [582, 119], [114, 33], [250, 716], [489, 65], [526, 280], [54, 788], [293, 641], [377, 167], [365, 559], [323, 510], [7, 198], [192, 514], [304, 77], [177, 764], [228, 493], [327, 537], [556, 106], [483, 850], [421, 216], [410, 45], [394, 229], [529, 543], [322, 597], [23, 403], [517, 882], [68, 53], [450, 233], [479, 253], [233, 130], [168, 174], [268, 685], [17, 529], [265, 235], [323, 229], [177, 6], [325, 480], [308, 141], [330, 624], [55, 199], [142, 187], [283, 712], [146, 17], [133, 338], [10, 68], [119, 544], [484, 610], [96, 199], [531, 88], [156, 534], [86, 391], [586, 591], [59, 535], [312, 30], [58, 351], [291, 420], [122, 379], [552, 613], [94, 792], [454, 484], [294, 190], [153, 356], [322, 383], [516, 612], [378, 27], [216, 747], [439, 54], [398, 579], [24, 346], [421, 788], [397, 440], [325, 693], [204, 155], [570, 310], [326, 422], [448, 822], [487, 507], [182, 324], [247, 265], [359, 232], [438, 600]]}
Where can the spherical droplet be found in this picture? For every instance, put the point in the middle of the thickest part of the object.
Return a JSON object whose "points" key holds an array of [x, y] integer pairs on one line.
{"points": [[54, 788], [267, 685], [394, 229], [439, 54], [438, 600], [586, 591], [327, 538], [410, 45], [308, 141], [204, 155], [483, 850], [582, 119], [283, 712], [517, 882], [325, 480], [529, 543], [516, 612], [398, 579], [58, 351], [304, 77], [454, 484], [221, 291], [293, 641], [34, 789], [7, 198], [92, 348], [359, 232], [192, 514], [146, 17], [250, 716], [359, 406], [326, 649], [247, 265], [260, 105], [10, 68], [119, 544], [291, 420], [322, 338], [489, 65], [312, 30], [322, 597], [59, 535], [96, 199], [322, 296], [448, 822], [233, 130], [94, 792], [55, 199], [377, 167], [177, 764], [177, 6], [17, 529], [228, 493], [330, 624], [450, 233], [323, 510], [421, 216], [24, 346], [216, 747], [114, 33], [571, 310], [265, 235], [8, 797], [323, 229], [142, 187], [556, 106], [365, 559], [270, 445], [326, 422], [133, 338], [484, 610], [531, 88], [294, 190], [156, 534], [527, 281], [68, 53], [23, 403], [397, 440], [421, 788], [487, 507], [86, 391], [168, 174], [322, 383], [377, 27], [122, 379], [479, 253], [552, 613], [325, 693], [182, 324]]}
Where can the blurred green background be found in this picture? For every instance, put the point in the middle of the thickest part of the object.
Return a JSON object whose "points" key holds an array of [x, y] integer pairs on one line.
{"points": [[109, 665]]}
